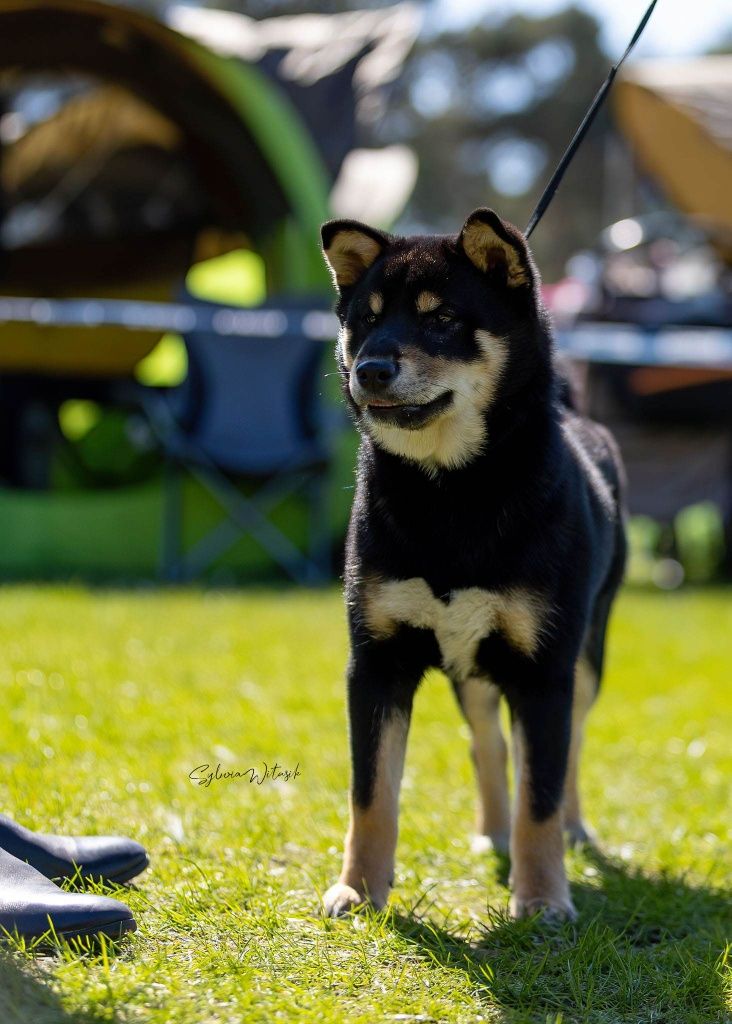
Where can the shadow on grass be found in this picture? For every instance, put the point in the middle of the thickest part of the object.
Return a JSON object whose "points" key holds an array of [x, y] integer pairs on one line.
{"points": [[26, 997], [644, 951]]}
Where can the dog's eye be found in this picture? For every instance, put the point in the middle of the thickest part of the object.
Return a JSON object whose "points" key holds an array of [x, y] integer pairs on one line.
{"points": [[446, 316], [369, 318]]}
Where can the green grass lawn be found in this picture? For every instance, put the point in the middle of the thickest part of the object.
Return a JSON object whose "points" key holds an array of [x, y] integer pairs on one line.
{"points": [[112, 698]]}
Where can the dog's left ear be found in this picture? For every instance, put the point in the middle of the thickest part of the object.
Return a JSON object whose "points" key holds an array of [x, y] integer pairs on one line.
{"points": [[497, 247]]}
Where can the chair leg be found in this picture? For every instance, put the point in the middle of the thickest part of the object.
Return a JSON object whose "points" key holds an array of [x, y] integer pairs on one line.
{"points": [[170, 564], [249, 515], [238, 511], [211, 546]]}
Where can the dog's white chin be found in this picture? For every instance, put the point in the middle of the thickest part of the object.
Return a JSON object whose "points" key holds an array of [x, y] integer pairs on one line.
{"points": [[449, 441], [457, 435]]}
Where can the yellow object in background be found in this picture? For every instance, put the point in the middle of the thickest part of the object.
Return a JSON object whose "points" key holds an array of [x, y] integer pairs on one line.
{"points": [[677, 116], [237, 279]]}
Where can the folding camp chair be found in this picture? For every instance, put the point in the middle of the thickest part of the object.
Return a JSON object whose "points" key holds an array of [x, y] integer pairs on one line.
{"points": [[248, 410]]}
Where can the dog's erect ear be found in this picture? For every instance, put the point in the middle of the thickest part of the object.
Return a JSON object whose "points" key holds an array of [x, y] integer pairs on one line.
{"points": [[349, 249], [495, 246]]}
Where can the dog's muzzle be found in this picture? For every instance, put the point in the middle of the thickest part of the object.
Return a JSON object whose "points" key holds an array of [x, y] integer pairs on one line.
{"points": [[383, 396]]}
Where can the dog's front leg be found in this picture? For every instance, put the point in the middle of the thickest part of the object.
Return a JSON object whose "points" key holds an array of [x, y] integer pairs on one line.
{"points": [[379, 710], [479, 702], [541, 729]]}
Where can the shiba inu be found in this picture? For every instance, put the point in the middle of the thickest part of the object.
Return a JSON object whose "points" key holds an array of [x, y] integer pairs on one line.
{"points": [[486, 539]]}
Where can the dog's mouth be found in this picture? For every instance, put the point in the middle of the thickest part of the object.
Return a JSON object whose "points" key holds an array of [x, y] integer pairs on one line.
{"points": [[408, 416]]}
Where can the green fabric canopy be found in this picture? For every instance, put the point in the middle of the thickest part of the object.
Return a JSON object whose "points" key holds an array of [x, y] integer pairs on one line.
{"points": [[185, 152]]}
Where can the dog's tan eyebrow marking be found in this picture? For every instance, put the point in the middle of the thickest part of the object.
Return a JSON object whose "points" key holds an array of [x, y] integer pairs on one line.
{"points": [[376, 302], [428, 302]]}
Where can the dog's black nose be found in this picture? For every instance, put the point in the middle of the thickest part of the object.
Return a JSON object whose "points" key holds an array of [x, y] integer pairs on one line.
{"points": [[376, 374]]}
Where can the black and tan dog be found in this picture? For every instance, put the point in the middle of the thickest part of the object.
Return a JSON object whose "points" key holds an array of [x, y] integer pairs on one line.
{"points": [[486, 539]]}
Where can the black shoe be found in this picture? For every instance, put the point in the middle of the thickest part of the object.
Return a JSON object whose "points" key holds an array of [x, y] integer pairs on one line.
{"points": [[31, 906], [110, 857]]}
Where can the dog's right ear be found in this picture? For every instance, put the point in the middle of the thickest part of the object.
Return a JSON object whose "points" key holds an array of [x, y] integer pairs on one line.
{"points": [[349, 249]]}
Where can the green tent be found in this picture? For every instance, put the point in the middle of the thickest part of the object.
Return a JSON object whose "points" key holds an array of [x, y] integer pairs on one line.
{"points": [[136, 155], [148, 108]]}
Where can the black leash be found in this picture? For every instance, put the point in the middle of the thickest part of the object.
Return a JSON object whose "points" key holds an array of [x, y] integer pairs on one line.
{"points": [[556, 178]]}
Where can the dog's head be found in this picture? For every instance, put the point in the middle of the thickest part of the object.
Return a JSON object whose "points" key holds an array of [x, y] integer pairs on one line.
{"points": [[435, 331]]}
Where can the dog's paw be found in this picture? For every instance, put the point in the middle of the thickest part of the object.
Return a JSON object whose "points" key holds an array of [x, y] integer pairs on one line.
{"points": [[341, 899], [552, 909], [498, 841], [576, 833]]}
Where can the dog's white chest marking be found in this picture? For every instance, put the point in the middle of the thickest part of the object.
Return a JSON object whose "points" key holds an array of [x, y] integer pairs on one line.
{"points": [[461, 622]]}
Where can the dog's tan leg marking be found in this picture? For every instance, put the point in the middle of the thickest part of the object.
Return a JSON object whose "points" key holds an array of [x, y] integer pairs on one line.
{"points": [[368, 863], [479, 701], [537, 852], [585, 690]]}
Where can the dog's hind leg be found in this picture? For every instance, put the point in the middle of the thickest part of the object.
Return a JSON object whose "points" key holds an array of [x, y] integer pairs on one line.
{"points": [[585, 691], [479, 702], [379, 711], [588, 673]]}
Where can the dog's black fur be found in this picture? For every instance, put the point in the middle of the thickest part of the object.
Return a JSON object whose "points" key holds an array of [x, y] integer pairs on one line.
{"points": [[533, 503]]}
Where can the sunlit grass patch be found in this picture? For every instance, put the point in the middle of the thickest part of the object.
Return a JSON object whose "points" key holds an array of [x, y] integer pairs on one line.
{"points": [[113, 698]]}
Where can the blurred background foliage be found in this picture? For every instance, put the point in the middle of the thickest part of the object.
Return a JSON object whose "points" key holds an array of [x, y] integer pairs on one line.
{"points": [[489, 110]]}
